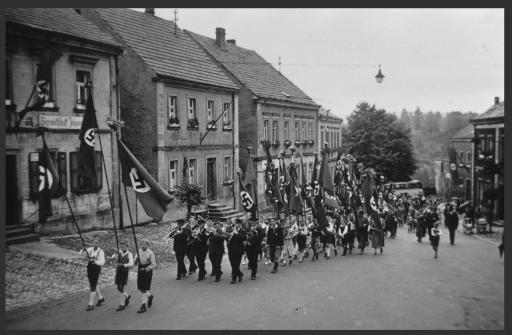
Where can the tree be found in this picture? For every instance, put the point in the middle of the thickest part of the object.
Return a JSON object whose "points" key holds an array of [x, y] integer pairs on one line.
{"points": [[417, 118], [378, 140]]}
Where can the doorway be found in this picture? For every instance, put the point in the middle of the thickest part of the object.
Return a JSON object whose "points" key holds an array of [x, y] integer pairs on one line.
{"points": [[11, 190], [211, 179]]}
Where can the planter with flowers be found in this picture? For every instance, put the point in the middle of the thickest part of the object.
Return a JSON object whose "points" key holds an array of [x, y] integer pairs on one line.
{"points": [[193, 123], [174, 123]]}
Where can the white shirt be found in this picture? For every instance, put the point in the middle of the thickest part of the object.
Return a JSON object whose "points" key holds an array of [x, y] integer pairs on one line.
{"points": [[147, 257], [123, 254], [94, 255]]}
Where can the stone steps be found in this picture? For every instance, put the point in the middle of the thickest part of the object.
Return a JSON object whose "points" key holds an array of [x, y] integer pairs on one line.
{"points": [[20, 234], [221, 212]]}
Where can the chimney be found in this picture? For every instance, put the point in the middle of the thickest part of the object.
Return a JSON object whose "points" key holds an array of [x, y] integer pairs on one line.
{"points": [[496, 100], [150, 11], [231, 41], [220, 37]]}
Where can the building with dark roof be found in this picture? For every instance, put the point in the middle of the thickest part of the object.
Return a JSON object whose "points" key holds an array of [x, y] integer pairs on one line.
{"points": [[172, 93], [84, 54], [463, 145], [272, 109], [489, 142], [330, 134]]}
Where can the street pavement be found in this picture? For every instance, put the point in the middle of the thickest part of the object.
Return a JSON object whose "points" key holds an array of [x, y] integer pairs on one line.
{"points": [[404, 288]]}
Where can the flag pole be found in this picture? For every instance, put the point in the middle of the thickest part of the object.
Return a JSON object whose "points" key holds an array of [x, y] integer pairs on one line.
{"points": [[61, 188], [114, 125], [254, 186], [108, 190]]}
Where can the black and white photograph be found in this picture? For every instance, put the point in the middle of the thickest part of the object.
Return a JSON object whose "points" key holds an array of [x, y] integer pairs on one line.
{"points": [[254, 169]]}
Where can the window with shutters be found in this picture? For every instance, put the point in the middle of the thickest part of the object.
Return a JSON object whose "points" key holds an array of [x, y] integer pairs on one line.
{"points": [[81, 185], [60, 163]]}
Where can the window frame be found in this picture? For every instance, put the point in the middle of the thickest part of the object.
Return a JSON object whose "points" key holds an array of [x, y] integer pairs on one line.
{"points": [[192, 170], [52, 86], [228, 171], [265, 129], [227, 123], [172, 111], [210, 112], [80, 107], [192, 109], [275, 133], [286, 130], [175, 170], [297, 131]]}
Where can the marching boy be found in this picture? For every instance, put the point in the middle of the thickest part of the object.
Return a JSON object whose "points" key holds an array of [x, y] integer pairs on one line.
{"points": [[125, 258], [147, 263], [96, 258], [436, 233]]}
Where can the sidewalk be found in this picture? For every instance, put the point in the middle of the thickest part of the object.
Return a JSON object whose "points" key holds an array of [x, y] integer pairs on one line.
{"points": [[493, 238]]}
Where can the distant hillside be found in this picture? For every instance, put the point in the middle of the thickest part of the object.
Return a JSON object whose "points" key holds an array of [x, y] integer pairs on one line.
{"points": [[430, 136]]}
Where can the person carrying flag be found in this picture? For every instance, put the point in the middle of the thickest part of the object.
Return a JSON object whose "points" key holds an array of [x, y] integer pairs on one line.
{"points": [[125, 262], [147, 262], [275, 243], [96, 259]]}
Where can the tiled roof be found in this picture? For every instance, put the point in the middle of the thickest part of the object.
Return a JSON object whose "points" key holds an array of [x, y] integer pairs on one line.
{"points": [[254, 72], [58, 20], [154, 40], [497, 110], [466, 132]]}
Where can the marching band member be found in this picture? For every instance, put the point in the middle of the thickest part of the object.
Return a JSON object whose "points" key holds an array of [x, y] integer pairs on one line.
{"points": [[180, 247], [216, 249], [200, 246], [236, 250], [264, 246], [125, 258], [147, 263], [376, 234], [275, 243], [253, 247], [96, 258]]}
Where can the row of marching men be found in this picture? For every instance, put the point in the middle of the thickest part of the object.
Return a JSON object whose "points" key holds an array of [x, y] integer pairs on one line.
{"points": [[274, 241], [277, 242]]}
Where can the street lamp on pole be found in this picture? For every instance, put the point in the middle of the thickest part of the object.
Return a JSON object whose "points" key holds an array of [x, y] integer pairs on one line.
{"points": [[379, 76]]}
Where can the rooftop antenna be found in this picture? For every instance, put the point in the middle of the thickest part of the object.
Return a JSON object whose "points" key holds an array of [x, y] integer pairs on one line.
{"points": [[175, 21]]}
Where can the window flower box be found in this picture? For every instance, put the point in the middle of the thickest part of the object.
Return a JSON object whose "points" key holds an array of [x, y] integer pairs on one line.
{"points": [[276, 144], [228, 182], [311, 142], [227, 125], [193, 123], [298, 143], [174, 123], [212, 125], [287, 144], [305, 142], [265, 143]]}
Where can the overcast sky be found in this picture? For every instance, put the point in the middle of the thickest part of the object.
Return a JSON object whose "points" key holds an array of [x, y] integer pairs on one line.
{"points": [[437, 59]]}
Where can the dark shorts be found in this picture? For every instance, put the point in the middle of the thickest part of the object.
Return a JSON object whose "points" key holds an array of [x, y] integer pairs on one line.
{"points": [[144, 279], [121, 275], [93, 274]]}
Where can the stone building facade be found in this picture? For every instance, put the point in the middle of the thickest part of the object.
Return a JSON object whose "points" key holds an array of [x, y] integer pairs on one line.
{"points": [[270, 106], [489, 158], [329, 132], [171, 95], [86, 54]]}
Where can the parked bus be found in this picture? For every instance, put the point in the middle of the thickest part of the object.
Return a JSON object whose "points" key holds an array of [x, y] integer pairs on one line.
{"points": [[413, 188]]}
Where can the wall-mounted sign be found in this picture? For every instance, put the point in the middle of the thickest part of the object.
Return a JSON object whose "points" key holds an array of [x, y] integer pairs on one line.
{"points": [[60, 121]]}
